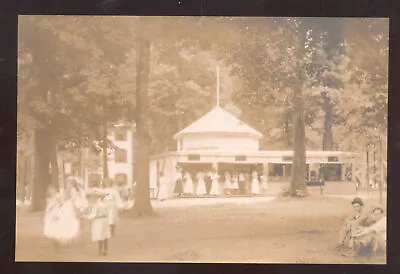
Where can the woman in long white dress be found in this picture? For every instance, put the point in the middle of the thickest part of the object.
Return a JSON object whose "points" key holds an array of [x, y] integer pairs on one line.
{"points": [[100, 223], [255, 184], [215, 183], [162, 193], [201, 185], [188, 188], [114, 204], [228, 183]]}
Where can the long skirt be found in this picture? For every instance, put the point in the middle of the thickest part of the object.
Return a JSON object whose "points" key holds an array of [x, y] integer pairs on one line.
{"points": [[100, 229], [201, 187], [162, 194], [63, 226], [189, 188], [214, 188], [228, 184], [178, 187], [255, 187]]}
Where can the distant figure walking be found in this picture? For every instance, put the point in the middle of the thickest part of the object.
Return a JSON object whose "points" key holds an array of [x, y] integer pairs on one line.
{"points": [[188, 188], [100, 226], [255, 184], [214, 183], [201, 185]]}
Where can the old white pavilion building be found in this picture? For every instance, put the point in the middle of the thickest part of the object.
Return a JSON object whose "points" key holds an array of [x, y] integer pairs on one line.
{"points": [[219, 140]]}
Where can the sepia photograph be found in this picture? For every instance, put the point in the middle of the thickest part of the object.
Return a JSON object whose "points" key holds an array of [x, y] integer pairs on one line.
{"points": [[202, 139]]}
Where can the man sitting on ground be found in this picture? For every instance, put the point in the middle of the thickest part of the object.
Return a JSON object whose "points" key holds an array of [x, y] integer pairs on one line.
{"points": [[351, 224], [373, 237]]}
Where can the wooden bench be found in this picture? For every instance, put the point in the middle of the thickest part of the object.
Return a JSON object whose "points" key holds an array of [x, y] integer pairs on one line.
{"points": [[315, 183]]}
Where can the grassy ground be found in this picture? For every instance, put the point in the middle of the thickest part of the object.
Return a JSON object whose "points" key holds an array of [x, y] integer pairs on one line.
{"points": [[259, 230]]}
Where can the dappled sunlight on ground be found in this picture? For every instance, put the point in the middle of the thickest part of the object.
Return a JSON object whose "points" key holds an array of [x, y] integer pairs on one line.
{"points": [[259, 230]]}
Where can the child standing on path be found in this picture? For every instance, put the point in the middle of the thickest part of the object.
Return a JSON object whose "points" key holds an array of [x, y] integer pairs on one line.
{"points": [[100, 227], [114, 204]]}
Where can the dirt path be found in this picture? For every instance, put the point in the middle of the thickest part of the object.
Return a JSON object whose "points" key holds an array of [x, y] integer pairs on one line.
{"points": [[277, 231]]}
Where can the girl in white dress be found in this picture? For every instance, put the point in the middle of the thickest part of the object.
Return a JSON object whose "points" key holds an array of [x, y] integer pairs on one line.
{"points": [[201, 185], [188, 188], [61, 222], [228, 183], [235, 183], [162, 193], [100, 227], [255, 184], [215, 183], [114, 204]]}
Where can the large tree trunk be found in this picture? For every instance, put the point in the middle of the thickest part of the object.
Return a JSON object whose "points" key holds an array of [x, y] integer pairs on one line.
{"points": [[287, 129], [54, 166], [299, 154], [327, 143], [105, 149], [142, 196], [41, 167]]}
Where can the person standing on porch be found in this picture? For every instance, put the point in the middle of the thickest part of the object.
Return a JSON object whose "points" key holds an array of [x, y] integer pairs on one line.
{"points": [[208, 181], [188, 188], [215, 183], [178, 190], [162, 194], [201, 185], [255, 184], [228, 183], [242, 183], [235, 183]]}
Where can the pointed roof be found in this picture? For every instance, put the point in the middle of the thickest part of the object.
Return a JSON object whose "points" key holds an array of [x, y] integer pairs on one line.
{"points": [[219, 120]]}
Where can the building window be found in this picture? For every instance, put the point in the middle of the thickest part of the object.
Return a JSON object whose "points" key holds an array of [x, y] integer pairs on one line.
{"points": [[240, 158], [121, 156], [120, 135], [121, 179], [194, 157]]}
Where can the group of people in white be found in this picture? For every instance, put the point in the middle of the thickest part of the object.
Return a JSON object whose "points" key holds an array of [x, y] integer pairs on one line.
{"points": [[67, 209], [212, 183]]}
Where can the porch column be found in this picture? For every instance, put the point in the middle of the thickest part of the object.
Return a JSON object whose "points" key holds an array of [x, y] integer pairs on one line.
{"points": [[265, 174], [343, 172]]}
